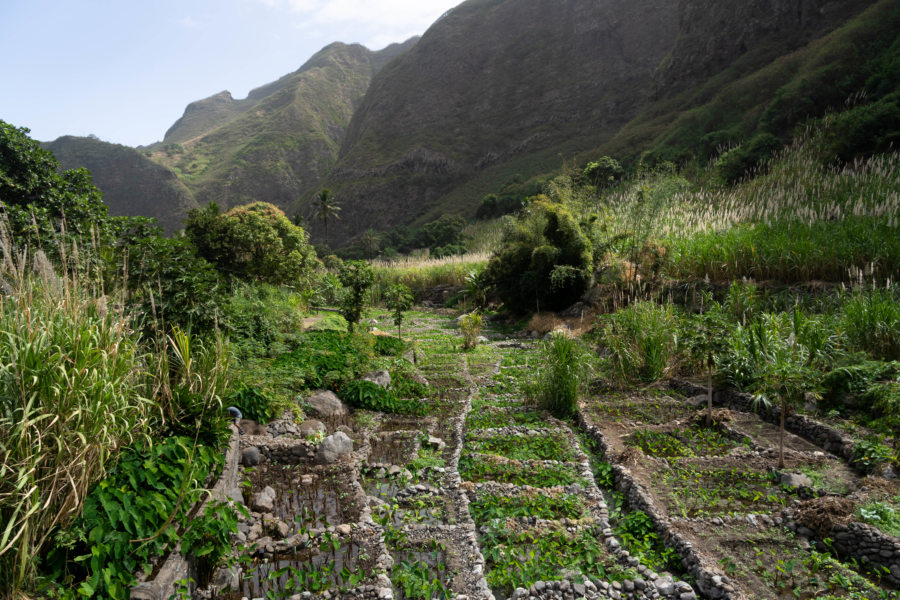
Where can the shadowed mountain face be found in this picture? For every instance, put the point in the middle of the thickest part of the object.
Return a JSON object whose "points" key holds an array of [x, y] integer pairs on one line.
{"points": [[499, 91], [131, 183]]}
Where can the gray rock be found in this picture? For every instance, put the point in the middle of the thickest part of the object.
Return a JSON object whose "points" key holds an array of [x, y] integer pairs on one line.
{"points": [[251, 427], [263, 501], [311, 427], [236, 495], [380, 378], [325, 404], [333, 448], [227, 579], [796, 480], [250, 456]]}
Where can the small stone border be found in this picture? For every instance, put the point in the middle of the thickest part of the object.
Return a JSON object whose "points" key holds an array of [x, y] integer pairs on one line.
{"points": [[711, 583]]}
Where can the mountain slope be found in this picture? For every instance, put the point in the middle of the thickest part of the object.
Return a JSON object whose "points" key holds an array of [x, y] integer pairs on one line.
{"points": [[280, 141], [501, 90], [131, 183]]}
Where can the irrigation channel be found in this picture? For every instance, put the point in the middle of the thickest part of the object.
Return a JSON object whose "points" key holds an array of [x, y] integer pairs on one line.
{"points": [[487, 497]]}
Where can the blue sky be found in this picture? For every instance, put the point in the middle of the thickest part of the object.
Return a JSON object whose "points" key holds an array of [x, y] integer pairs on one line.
{"points": [[124, 70]]}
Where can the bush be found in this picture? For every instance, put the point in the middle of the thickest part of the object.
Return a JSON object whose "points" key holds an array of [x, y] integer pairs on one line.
{"points": [[561, 376], [371, 396], [253, 403], [872, 323], [546, 262], [389, 346], [327, 358], [357, 277], [470, 325], [738, 162], [642, 342], [861, 131]]}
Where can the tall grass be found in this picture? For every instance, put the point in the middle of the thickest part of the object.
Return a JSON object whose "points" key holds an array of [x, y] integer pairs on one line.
{"points": [[642, 342], [871, 321], [70, 397], [796, 220], [561, 375], [422, 273]]}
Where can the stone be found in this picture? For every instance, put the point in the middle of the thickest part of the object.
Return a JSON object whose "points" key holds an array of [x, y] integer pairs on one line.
{"points": [[796, 480], [325, 404], [264, 501], [343, 529], [436, 442], [236, 495], [483, 340], [333, 448], [250, 456], [311, 427], [380, 378], [251, 427]]}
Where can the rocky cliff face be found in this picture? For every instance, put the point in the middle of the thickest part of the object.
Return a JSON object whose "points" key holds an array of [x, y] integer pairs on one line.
{"points": [[714, 33], [495, 80]]}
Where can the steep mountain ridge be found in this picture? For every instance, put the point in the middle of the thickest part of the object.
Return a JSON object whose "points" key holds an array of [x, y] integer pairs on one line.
{"points": [[131, 183], [505, 89]]}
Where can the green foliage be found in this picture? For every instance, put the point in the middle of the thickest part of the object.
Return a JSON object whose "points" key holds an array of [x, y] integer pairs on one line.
{"points": [[561, 375], [261, 320], [546, 261], [171, 286], [882, 515], [603, 172], [642, 342], [45, 207], [870, 453], [747, 158], [327, 358], [477, 468], [208, 539], [638, 535], [417, 582], [470, 325], [399, 299], [490, 507], [71, 394], [133, 515], [253, 403], [357, 277], [254, 242], [540, 447], [371, 396], [389, 346], [862, 131], [871, 320]]}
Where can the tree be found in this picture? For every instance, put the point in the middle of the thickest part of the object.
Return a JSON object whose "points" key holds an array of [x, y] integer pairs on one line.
{"points": [[603, 172], [327, 209], [399, 300], [41, 202], [546, 262], [357, 277], [254, 242]]}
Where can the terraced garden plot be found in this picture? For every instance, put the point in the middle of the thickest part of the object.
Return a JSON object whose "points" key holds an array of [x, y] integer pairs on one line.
{"points": [[559, 505], [695, 440], [542, 445], [480, 467], [485, 416], [646, 407], [771, 562], [393, 449], [330, 563]]}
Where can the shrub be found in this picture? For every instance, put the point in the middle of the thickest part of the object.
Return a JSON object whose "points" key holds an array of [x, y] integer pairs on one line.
{"points": [[470, 325], [561, 375], [546, 262], [371, 396], [399, 300], [357, 277], [71, 395], [862, 131], [738, 162], [389, 346], [253, 403], [642, 342], [871, 320]]}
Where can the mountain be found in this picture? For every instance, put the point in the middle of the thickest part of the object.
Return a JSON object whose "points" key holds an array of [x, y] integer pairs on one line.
{"points": [[501, 90], [131, 183], [278, 143]]}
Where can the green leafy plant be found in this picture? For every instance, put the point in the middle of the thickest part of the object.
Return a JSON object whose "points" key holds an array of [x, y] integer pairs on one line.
{"points": [[642, 342], [470, 325], [562, 372], [399, 299], [357, 277], [208, 539]]}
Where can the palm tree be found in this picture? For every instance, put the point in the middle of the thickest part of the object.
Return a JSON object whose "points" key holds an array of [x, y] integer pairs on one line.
{"points": [[327, 209]]}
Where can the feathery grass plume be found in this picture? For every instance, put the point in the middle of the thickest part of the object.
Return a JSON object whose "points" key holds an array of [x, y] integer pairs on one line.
{"points": [[71, 372]]}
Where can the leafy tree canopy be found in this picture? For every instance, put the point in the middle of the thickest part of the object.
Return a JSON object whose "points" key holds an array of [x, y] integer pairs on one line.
{"points": [[254, 242], [39, 200], [546, 262]]}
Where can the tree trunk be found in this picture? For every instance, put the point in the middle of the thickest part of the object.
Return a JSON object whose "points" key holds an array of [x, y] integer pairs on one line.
{"points": [[781, 437]]}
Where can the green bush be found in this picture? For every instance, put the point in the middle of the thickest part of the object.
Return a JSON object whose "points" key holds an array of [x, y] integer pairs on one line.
{"points": [[371, 396], [131, 517], [253, 403], [871, 320], [389, 346], [861, 131], [642, 342], [357, 277], [561, 375], [328, 358], [739, 162], [261, 320], [546, 261]]}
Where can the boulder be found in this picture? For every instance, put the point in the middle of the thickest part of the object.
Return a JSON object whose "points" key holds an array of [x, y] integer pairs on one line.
{"points": [[264, 501], [380, 378], [325, 404], [333, 448], [796, 480], [250, 456], [311, 427]]}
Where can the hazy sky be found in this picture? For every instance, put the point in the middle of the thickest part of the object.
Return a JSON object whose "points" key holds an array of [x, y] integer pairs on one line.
{"points": [[125, 69]]}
